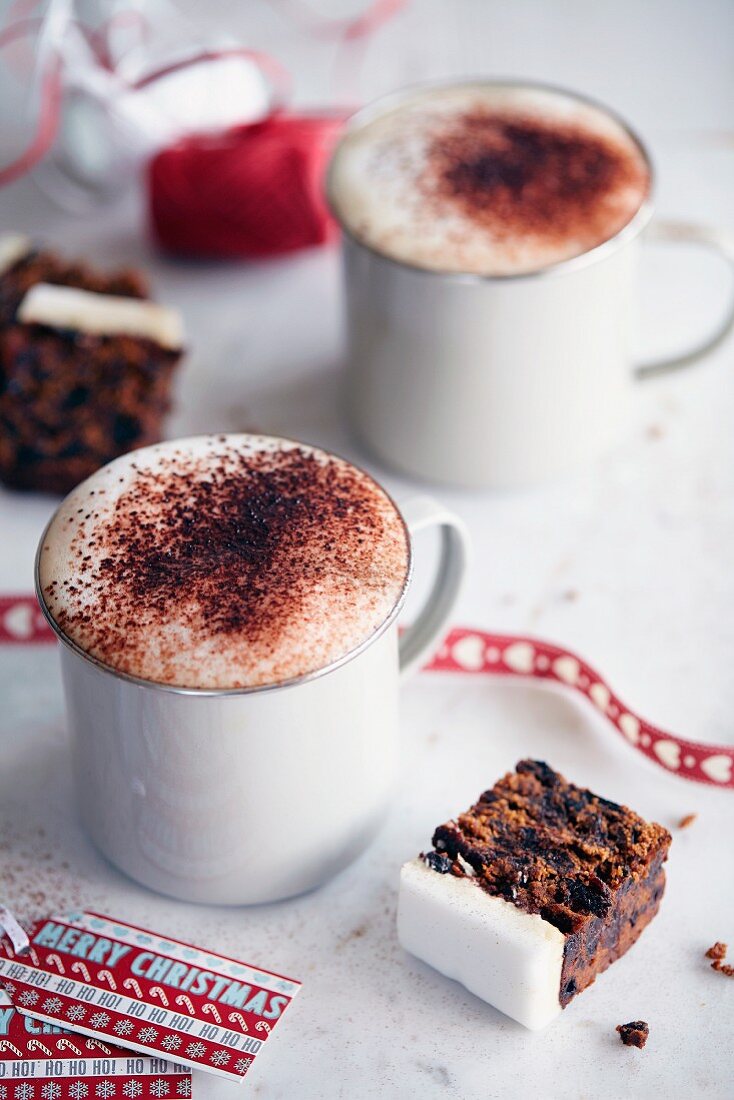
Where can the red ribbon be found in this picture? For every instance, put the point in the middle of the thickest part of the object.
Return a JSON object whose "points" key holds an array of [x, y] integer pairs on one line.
{"points": [[478, 653], [254, 191]]}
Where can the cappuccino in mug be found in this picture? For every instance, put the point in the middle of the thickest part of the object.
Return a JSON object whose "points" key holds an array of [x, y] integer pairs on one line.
{"points": [[488, 179], [491, 240], [227, 607], [224, 562]]}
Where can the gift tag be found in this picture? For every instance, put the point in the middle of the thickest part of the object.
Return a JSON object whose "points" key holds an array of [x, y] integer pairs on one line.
{"points": [[41, 1062], [113, 981]]}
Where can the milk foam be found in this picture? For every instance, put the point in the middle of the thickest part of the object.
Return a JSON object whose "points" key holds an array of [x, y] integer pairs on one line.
{"points": [[224, 562], [382, 187]]}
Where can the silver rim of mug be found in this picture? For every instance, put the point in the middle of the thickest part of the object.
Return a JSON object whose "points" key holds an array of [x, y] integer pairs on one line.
{"points": [[294, 681], [381, 106]]}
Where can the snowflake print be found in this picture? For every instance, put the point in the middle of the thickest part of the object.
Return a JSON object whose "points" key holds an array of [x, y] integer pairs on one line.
{"points": [[183, 1088], [29, 998], [51, 1005], [159, 1087], [132, 1089], [3, 1092], [105, 1089], [171, 1042], [220, 1058], [123, 1027], [9, 988], [78, 1090], [147, 1035], [51, 1091], [242, 1065], [195, 1050], [75, 1013], [99, 1021], [24, 1091]]}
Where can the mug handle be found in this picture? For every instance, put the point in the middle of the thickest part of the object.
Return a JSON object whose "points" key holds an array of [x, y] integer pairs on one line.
{"points": [[419, 639], [715, 240]]}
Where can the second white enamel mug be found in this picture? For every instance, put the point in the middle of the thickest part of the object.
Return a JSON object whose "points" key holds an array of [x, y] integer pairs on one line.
{"points": [[498, 381]]}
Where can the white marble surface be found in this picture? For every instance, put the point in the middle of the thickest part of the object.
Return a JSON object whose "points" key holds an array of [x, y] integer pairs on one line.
{"points": [[629, 563]]}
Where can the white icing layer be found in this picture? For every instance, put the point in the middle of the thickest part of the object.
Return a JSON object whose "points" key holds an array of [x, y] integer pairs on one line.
{"points": [[511, 959], [101, 314]]}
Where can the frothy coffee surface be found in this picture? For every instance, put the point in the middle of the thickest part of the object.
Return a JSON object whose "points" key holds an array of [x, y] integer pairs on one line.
{"points": [[488, 179], [224, 562]]}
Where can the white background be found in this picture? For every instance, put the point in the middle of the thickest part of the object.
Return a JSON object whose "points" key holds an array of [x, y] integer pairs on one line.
{"points": [[629, 563]]}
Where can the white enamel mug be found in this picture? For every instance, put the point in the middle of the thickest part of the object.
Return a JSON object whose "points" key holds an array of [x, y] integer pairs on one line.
{"points": [[499, 381], [244, 796]]}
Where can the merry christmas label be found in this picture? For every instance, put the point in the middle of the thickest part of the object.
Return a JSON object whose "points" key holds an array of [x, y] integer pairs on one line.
{"points": [[109, 980], [41, 1062]]}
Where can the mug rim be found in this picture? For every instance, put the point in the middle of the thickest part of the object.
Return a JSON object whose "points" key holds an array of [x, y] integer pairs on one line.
{"points": [[380, 106], [294, 681]]}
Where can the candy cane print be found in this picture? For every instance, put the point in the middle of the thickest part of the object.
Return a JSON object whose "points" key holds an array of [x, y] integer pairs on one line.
{"points": [[65, 1044], [94, 1044], [34, 957], [9, 951], [238, 1018], [36, 1044], [5, 1044], [105, 976], [263, 1025], [134, 984], [80, 968], [156, 991], [54, 960], [182, 999], [212, 1010]]}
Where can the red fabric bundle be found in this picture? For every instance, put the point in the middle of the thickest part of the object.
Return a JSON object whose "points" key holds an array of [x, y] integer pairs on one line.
{"points": [[257, 190]]}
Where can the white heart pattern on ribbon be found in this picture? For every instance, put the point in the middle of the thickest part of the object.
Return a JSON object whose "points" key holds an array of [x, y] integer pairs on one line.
{"points": [[567, 669], [18, 621], [520, 657], [469, 652], [717, 768], [600, 696], [668, 753], [630, 727]]}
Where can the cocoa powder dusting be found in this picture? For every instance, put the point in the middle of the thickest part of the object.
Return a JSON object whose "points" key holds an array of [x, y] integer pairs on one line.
{"points": [[525, 177], [242, 553]]}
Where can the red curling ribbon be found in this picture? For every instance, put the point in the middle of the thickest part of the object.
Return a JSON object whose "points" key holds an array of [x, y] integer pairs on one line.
{"points": [[49, 100], [478, 653], [255, 191]]}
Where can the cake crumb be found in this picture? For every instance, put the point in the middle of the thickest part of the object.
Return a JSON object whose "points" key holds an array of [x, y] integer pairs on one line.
{"points": [[687, 820], [718, 954], [634, 1034]]}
